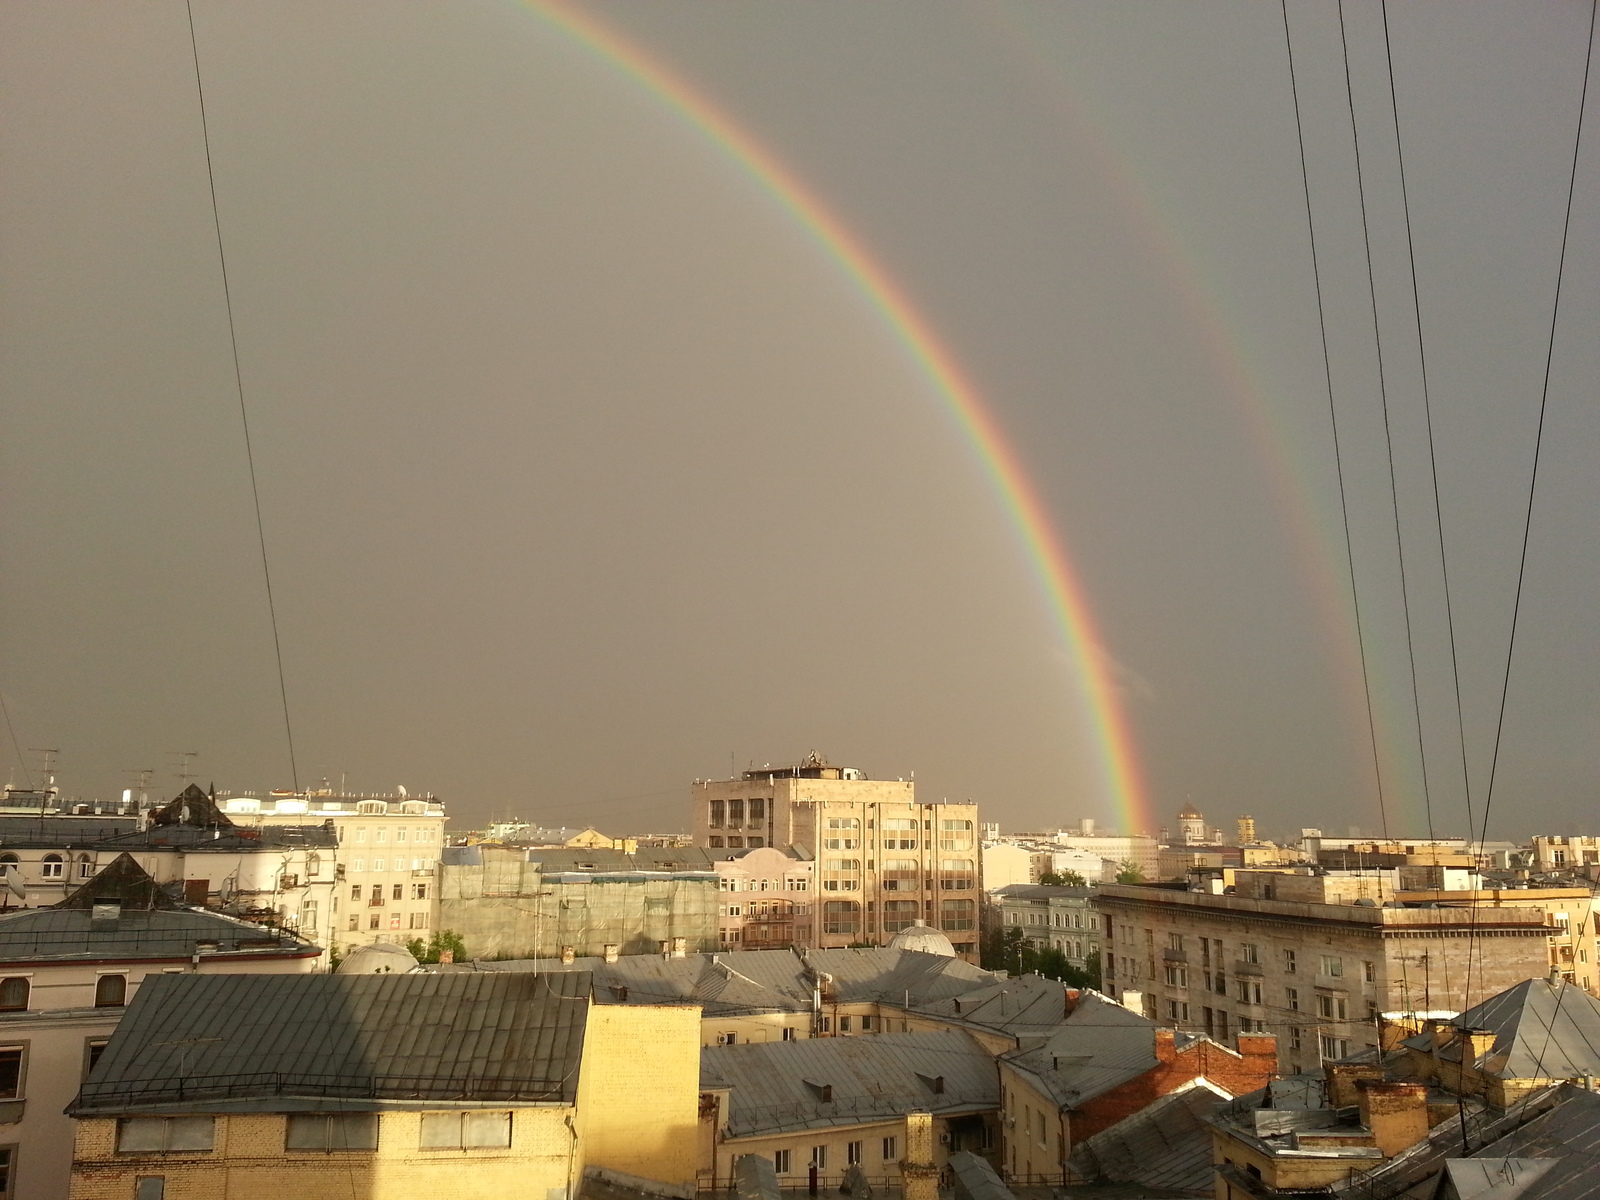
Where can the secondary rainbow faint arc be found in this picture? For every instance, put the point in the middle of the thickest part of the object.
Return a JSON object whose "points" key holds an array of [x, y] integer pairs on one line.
{"points": [[1002, 465]]}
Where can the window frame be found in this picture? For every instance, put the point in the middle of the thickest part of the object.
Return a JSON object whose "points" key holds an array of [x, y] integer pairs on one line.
{"points": [[372, 1123]]}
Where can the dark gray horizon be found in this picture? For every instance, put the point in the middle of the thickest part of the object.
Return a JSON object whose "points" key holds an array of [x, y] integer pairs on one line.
{"points": [[584, 472]]}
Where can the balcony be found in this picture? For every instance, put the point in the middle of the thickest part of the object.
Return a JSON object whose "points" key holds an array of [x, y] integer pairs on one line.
{"points": [[1175, 956], [1249, 968]]}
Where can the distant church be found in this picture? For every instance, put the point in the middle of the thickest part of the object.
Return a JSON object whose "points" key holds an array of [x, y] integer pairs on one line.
{"points": [[1191, 826]]}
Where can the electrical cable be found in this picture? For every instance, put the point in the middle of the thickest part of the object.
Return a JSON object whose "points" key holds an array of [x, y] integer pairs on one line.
{"points": [[1333, 418], [244, 414], [16, 745], [1388, 436], [1427, 413], [1538, 440]]}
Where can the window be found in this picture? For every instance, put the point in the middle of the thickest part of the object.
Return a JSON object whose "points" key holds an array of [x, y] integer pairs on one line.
{"points": [[1222, 1025], [1289, 965], [717, 809], [160, 1134], [52, 867], [419, 891], [956, 914], [85, 870], [1292, 995], [1369, 972], [332, 1131], [959, 874], [901, 875], [359, 865], [955, 835], [899, 834], [398, 892], [791, 1035], [780, 1161], [843, 833], [462, 1130], [148, 1187], [891, 1148], [400, 834], [380, 836], [714, 842], [839, 874], [111, 991], [10, 1074], [92, 1050], [1249, 991], [1331, 1007], [355, 922], [394, 920], [1251, 952], [1332, 965], [361, 834], [727, 1039], [419, 921], [377, 863], [374, 920], [1177, 1010], [1294, 1038], [852, 1153], [313, 865], [841, 916], [1174, 941], [14, 993], [754, 843], [735, 814], [819, 1157], [1333, 1047], [758, 810], [1177, 976]]}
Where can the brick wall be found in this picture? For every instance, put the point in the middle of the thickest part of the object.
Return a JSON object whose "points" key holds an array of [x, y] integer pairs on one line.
{"points": [[1236, 1073]]}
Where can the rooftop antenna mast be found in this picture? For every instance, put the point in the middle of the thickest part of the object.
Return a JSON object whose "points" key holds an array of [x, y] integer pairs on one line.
{"points": [[184, 774]]}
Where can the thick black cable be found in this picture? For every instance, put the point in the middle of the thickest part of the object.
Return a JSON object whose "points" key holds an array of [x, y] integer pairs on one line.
{"points": [[1427, 415], [1388, 437], [1538, 439], [1333, 419], [244, 413]]}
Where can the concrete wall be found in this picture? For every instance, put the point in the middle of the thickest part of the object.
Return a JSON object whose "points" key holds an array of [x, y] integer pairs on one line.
{"points": [[639, 1090]]}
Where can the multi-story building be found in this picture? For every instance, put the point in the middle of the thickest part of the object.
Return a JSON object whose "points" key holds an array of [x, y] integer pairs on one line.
{"points": [[1117, 853], [765, 900], [1565, 853], [388, 852], [1573, 940], [66, 974], [1305, 958], [883, 860], [1057, 918]]}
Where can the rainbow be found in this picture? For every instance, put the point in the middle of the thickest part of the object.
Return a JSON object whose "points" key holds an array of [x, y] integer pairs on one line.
{"points": [[1002, 466]]}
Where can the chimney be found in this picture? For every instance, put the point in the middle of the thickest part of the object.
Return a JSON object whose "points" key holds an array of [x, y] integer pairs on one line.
{"points": [[1479, 1042], [1166, 1046], [1133, 1001], [680, 947], [1344, 1078], [609, 952], [1396, 1113], [1070, 1001], [567, 955], [1259, 1045], [919, 1172]]}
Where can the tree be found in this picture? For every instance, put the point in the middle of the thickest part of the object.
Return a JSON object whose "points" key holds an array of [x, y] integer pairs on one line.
{"points": [[1062, 879], [1128, 872], [431, 950]]}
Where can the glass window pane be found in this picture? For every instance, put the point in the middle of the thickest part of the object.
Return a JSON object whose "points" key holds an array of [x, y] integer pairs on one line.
{"points": [[191, 1133], [307, 1131], [142, 1133], [441, 1130], [487, 1129], [150, 1187], [353, 1131]]}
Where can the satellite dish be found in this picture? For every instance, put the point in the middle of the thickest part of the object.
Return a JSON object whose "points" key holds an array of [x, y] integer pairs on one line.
{"points": [[401, 788], [13, 880]]}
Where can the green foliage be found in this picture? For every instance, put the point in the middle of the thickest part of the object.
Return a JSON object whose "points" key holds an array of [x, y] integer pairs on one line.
{"points": [[1009, 950], [1127, 872], [431, 950]]}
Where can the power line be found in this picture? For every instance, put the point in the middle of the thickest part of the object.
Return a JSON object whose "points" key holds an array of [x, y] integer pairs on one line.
{"points": [[1538, 440], [1427, 413], [244, 414], [1388, 436], [1333, 418], [16, 745]]}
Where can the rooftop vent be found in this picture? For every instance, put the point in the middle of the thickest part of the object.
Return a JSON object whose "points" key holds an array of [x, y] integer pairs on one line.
{"points": [[823, 1091]]}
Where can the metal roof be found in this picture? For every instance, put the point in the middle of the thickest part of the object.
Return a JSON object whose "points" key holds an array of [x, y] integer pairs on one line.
{"points": [[776, 1087], [1567, 1137], [214, 1042], [1542, 1032], [61, 832], [65, 934], [1100, 1046], [1167, 1144]]}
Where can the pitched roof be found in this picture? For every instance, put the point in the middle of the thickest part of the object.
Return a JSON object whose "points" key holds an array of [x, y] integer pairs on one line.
{"points": [[1541, 1032], [1555, 1156], [278, 1042], [1100, 1046], [60, 832], [780, 1086], [192, 807], [1166, 1144], [124, 881], [38, 935]]}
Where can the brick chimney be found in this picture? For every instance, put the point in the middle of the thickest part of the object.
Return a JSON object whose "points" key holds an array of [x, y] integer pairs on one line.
{"points": [[567, 955], [919, 1171], [1478, 1043], [1070, 1001], [1344, 1078], [1396, 1113], [609, 952], [1260, 1045]]}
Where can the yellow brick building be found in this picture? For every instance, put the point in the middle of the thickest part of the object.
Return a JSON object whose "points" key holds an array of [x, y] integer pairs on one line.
{"points": [[333, 1087]]}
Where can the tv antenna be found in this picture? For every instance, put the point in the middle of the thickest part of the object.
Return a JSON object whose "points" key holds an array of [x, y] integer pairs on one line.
{"points": [[184, 757]]}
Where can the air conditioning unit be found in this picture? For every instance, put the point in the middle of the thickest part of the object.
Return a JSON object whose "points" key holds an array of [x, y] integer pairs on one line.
{"points": [[944, 1139]]}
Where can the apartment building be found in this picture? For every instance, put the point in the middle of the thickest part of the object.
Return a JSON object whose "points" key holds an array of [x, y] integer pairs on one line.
{"points": [[883, 860], [388, 852], [1306, 957], [765, 899], [1058, 918], [1565, 853]]}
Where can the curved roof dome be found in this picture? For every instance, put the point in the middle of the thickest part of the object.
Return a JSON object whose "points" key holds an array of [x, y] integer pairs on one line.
{"points": [[1189, 813], [380, 958], [923, 937]]}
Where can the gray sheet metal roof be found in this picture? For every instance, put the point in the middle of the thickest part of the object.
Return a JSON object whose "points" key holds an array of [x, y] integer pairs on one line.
{"points": [[224, 840], [213, 1041], [776, 1086], [1164, 1145], [66, 934], [1028, 1005], [1569, 1134], [1100, 1046], [61, 832], [1542, 1032]]}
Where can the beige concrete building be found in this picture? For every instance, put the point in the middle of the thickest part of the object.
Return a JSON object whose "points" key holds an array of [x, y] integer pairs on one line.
{"points": [[66, 975], [1565, 853], [1308, 958], [883, 860], [765, 900], [388, 852], [1057, 918]]}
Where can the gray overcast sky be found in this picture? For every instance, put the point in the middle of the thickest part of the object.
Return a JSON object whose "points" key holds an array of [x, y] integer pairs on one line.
{"points": [[585, 473]]}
